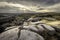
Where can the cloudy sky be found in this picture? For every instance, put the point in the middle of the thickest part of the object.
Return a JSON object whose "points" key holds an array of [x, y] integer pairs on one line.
{"points": [[29, 6]]}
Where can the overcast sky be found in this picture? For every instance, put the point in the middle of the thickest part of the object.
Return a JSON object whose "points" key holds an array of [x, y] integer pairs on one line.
{"points": [[29, 6]]}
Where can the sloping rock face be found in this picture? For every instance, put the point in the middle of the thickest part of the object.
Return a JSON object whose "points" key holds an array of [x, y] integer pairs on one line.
{"points": [[29, 35], [40, 28], [48, 32], [9, 35], [34, 31]]}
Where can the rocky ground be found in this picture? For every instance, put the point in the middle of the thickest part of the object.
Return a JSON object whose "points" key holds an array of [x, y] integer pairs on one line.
{"points": [[32, 29]]}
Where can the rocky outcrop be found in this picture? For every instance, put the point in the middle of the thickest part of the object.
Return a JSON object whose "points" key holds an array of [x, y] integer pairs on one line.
{"points": [[49, 29], [29, 35], [31, 31]]}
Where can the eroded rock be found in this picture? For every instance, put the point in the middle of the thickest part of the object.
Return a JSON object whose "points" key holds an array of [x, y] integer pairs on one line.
{"points": [[50, 30], [29, 35]]}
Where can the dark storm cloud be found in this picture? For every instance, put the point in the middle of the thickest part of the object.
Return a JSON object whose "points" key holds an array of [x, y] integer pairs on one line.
{"points": [[6, 7], [49, 2], [29, 6]]}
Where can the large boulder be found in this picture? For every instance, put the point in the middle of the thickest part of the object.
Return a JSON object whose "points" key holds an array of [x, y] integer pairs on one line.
{"points": [[35, 28], [57, 29], [29, 35], [40, 28], [9, 34], [50, 30], [31, 27], [34, 19]]}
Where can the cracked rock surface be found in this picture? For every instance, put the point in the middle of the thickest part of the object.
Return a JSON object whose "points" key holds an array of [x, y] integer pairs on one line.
{"points": [[34, 31]]}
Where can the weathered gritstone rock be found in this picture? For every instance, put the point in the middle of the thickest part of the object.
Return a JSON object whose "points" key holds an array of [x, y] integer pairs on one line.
{"points": [[34, 19], [31, 27], [50, 30], [35, 28], [37, 31], [29, 35], [40, 28], [35, 23], [57, 29], [10, 34], [47, 27]]}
